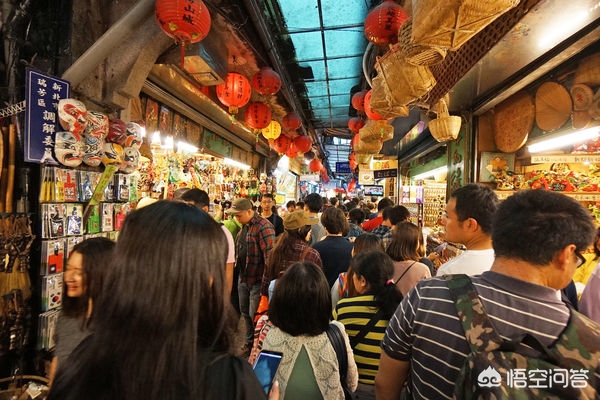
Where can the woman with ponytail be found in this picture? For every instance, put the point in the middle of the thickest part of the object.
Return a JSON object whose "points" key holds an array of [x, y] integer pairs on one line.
{"points": [[366, 315]]}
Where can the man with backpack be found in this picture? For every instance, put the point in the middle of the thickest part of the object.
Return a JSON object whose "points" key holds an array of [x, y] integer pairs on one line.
{"points": [[537, 237]]}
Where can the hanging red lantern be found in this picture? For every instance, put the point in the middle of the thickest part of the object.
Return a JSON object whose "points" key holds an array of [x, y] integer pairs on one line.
{"points": [[272, 131], [235, 92], [291, 121], [352, 185], [292, 151], [315, 165], [186, 21], [257, 116], [372, 114], [355, 140], [358, 100], [383, 23], [352, 161], [281, 144], [266, 81], [355, 123], [303, 143]]}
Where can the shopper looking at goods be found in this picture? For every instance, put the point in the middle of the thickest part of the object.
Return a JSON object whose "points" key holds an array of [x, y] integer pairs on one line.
{"points": [[268, 210], [366, 315], [312, 205], [82, 284], [253, 248], [199, 198], [375, 222], [335, 250], [468, 220], [538, 236], [163, 324]]}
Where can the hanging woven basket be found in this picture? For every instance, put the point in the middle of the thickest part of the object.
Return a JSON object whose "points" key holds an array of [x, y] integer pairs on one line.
{"points": [[376, 131], [363, 158], [445, 127], [370, 147], [381, 102], [416, 54]]}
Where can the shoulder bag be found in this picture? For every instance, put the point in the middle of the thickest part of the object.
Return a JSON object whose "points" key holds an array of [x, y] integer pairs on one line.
{"points": [[337, 341]]}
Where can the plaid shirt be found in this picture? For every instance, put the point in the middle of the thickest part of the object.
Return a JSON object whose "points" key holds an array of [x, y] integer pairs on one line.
{"points": [[259, 240]]}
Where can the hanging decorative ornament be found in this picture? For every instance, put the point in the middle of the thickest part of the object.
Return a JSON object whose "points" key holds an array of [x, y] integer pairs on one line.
{"points": [[291, 121], [352, 161], [186, 21], [315, 165], [355, 140], [235, 92], [358, 100], [272, 131], [371, 114], [292, 151], [355, 123], [302, 143], [281, 144], [352, 185], [257, 116], [266, 81], [383, 23]]}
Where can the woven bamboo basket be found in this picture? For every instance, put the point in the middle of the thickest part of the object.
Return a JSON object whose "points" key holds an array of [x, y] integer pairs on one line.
{"points": [[363, 158], [553, 106], [370, 147], [416, 54], [450, 23], [582, 96], [445, 127], [407, 83], [588, 71], [376, 131], [380, 101]]}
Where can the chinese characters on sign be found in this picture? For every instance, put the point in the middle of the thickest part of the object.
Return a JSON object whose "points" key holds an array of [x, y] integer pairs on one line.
{"points": [[566, 158], [42, 95]]}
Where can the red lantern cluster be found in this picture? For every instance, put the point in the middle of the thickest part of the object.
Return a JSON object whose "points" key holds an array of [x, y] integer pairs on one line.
{"points": [[302, 143], [187, 21], [235, 92], [358, 100], [291, 121], [266, 81], [355, 123], [257, 115], [383, 23]]}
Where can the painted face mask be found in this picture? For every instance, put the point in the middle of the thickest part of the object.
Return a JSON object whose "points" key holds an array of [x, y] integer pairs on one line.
{"points": [[72, 116], [117, 131], [97, 125], [93, 150], [113, 154], [133, 136], [131, 160], [68, 149]]}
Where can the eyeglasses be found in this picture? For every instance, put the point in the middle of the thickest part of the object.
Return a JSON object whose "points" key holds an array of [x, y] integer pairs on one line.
{"points": [[580, 259]]}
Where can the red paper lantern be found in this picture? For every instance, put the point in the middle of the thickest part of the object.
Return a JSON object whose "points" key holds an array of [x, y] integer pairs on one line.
{"points": [[358, 100], [355, 123], [383, 23], [352, 161], [281, 144], [291, 121], [352, 185], [266, 81], [315, 165], [374, 115], [355, 140], [292, 151], [235, 92], [257, 115], [303, 143]]}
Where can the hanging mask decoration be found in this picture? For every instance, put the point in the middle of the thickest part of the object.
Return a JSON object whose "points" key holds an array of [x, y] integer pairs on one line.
{"points": [[134, 136], [93, 150], [113, 154], [97, 125], [117, 131], [72, 116], [68, 149], [131, 160]]}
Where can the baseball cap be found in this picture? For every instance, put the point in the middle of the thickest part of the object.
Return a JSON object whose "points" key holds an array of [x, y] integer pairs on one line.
{"points": [[297, 219], [239, 205]]}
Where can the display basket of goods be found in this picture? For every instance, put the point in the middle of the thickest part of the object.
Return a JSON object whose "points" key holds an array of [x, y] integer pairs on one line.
{"points": [[445, 127], [449, 24], [377, 132], [380, 102], [553, 106], [406, 82], [513, 121], [418, 54]]}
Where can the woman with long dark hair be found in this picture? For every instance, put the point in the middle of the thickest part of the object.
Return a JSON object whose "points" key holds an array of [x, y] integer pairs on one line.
{"points": [[366, 315], [163, 326]]}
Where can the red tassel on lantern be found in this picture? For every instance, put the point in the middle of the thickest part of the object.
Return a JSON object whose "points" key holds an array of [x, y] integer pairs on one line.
{"points": [[266, 81], [235, 92], [355, 123], [257, 115], [303, 143], [383, 23], [291, 121], [358, 100], [186, 21]]}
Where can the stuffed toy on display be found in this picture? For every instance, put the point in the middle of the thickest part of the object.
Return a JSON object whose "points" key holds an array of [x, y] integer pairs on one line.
{"points": [[72, 116], [68, 149]]}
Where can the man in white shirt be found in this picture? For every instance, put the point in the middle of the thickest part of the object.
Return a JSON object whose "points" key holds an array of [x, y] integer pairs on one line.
{"points": [[468, 220]]}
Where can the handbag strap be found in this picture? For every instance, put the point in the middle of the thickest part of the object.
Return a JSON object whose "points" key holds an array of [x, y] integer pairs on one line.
{"points": [[337, 341], [363, 332], [400, 277]]}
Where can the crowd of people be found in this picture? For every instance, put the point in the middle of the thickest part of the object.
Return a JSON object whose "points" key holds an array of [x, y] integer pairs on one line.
{"points": [[184, 302]]}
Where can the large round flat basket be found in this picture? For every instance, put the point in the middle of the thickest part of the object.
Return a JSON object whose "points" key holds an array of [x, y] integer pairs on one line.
{"points": [[513, 120], [553, 106]]}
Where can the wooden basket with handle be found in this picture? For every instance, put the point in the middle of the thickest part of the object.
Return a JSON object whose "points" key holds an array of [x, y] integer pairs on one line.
{"points": [[445, 127]]}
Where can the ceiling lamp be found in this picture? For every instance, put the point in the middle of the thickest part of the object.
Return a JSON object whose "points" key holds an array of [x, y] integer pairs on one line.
{"points": [[266, 81], [272, 131], [383, 23], [358, 100], [257, 116], [186, 21], [235, 92], [355, 123], [291, 121], [303, 143]]}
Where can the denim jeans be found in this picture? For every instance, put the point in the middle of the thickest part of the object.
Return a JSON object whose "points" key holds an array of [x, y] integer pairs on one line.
{"points": [[249, 298]]}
